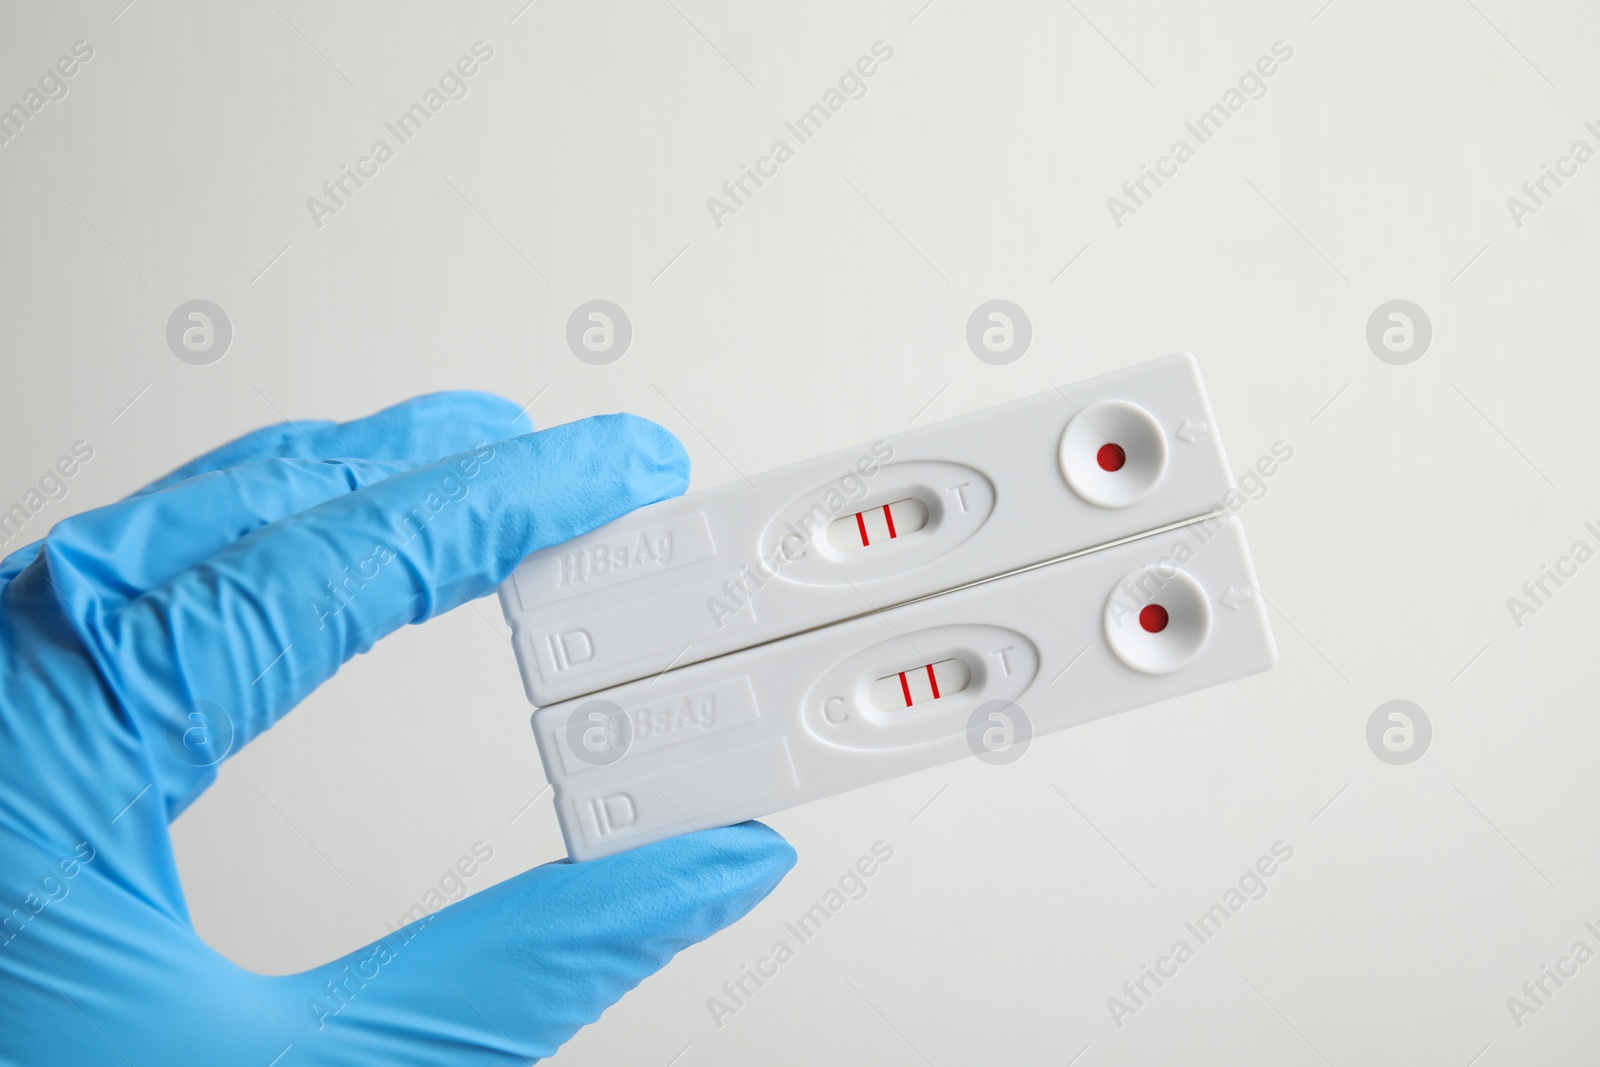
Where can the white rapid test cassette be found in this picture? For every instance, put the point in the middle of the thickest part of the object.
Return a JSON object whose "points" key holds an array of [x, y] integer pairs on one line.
{"points": [[950, 590]]}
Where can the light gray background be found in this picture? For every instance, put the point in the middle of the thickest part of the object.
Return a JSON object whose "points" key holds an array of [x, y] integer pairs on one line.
{"points": [[830, 310]]}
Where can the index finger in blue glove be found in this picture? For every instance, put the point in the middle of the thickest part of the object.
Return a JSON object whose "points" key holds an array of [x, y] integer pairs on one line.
{"points": [[419, 430], [416, 431], [92, 556], [262, 623]]}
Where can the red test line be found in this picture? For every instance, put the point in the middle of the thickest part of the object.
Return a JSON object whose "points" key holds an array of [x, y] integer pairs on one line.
{"points": [[904, 688], [934, 682], [861, 524], [888, 518]]}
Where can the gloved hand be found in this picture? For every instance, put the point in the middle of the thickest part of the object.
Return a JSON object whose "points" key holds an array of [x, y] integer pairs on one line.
{"points": [[241, 582]]}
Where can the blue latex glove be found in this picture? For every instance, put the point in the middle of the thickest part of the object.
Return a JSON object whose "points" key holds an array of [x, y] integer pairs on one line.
{"points": [[211, 585]]}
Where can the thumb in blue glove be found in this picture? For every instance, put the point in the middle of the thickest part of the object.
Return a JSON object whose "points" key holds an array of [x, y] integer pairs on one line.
{"points": [[239, 583]]}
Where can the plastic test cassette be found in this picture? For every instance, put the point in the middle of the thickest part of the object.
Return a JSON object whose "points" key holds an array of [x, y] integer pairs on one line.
{"points": [[1025, 568], [904, 517]]}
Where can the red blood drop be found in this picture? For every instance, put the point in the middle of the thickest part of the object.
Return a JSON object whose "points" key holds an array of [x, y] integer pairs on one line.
{"points": [[1153, 617], [1111, 457]]}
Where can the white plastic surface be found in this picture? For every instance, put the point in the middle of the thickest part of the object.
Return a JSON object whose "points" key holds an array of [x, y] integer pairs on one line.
{"points": [[766, 728], [735, 566]]}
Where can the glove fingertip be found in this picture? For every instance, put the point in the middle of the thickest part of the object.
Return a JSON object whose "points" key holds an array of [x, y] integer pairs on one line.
{"points": [[751, 846], [731, 868], [661, 456], [645, 461]]}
